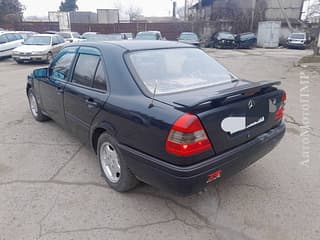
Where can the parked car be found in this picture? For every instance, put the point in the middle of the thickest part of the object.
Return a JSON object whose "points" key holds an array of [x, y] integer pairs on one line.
{"points": [[86, 34], [8, 42], [26, 34], [104, 37], [189, 38], [298, 40], [177, 128], [246, 40], [50, 32], [70, 36], [38, 48], [149, 35], [222, 40], [127, 36]]}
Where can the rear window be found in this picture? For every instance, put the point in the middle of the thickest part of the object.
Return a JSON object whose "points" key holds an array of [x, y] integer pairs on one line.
{"points": [[76, 35], [298, 36], [248, 36], [11, 37], [189, 36], [64, 35], [148, 36], [177, 70], [3, 39]]}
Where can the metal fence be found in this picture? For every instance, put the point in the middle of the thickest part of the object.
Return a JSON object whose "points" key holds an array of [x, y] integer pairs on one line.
{"points": [[170, 30]]}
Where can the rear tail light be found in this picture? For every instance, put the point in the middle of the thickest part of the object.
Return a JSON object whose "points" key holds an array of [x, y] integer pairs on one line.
{"points": [[280, 112], [187, 137]]}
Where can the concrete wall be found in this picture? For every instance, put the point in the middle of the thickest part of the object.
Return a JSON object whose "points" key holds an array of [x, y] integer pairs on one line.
{"points": [[108, 15], [83, 17], [292, 9]]}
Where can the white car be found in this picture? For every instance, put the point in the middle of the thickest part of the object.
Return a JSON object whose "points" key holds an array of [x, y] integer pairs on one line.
{"points": [[8, 42], [26, 34], [39, 48], [70, 36]]}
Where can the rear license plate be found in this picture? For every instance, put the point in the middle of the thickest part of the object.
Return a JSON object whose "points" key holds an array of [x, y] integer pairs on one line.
{"points": [[256, 114], [25, 58]]}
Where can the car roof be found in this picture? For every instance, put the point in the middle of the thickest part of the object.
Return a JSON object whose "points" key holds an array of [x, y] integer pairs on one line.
{"points": [[3, 32], [149, 32], [44, 35], [136, 45]]}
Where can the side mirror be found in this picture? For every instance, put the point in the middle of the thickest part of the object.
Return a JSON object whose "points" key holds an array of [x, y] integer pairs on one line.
{"points": [[40, 73]]}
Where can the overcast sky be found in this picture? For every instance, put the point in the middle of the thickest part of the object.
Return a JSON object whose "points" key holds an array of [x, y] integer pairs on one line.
{"points": [[150, 7]]}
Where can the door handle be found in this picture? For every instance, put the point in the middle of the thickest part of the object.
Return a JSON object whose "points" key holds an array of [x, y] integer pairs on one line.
{"points": [[59, 90], [91, 103]]}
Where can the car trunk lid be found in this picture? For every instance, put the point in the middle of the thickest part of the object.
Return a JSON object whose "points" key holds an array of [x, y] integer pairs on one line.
{"points": [[232, 113]]}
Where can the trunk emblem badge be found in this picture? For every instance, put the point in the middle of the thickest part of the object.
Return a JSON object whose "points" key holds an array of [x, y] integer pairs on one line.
{"points": [[251, 104]]}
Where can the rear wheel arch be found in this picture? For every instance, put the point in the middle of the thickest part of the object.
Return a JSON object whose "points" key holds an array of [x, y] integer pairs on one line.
{"points": [[98, 131]]}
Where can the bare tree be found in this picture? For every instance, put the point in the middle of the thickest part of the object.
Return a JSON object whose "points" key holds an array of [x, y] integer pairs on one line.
{"points": [[119, 5], [133, 12], [181, 12], [313, 10]]}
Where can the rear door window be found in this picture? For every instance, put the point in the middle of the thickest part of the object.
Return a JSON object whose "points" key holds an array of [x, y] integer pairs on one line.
{"points": [[55, 40], [11, 37], [85, 69], [60, 39], [100, 78], [3, 39], [18, 36]]}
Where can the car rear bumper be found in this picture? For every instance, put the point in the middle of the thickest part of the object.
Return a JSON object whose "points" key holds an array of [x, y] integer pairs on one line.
{"points": [[296, 45], [191, 179]]}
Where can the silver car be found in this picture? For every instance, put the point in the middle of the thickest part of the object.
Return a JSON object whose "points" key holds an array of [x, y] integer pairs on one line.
{"points": [[38, 48], [298, 40]]}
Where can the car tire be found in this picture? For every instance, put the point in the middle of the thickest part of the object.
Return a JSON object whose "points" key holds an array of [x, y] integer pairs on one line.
{"points": [[35, 108], [113, 166], [49, 57], [19, 62]]}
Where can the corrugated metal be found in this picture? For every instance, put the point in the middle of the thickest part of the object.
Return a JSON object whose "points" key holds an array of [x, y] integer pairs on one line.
{"points": [[83, 17], [108, 15], [269, 34]]}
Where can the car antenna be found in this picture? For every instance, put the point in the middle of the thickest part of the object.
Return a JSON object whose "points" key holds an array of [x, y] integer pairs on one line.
{"points": [[154, 94]]}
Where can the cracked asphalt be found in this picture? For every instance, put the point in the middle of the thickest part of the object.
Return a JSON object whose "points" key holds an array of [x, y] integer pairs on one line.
{"points": [[51, 187]]}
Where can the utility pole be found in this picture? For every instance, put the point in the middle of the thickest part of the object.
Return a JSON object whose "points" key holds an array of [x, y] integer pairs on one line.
{"points": [[200, 9], [285, 15], [254, 2], [174, 9], [185, 9]]}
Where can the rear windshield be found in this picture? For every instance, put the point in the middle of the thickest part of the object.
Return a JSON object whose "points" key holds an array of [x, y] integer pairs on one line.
{"points": [[147, 36], [64, 35], [189, 36], [76, 35], [247, 36], [298, 36], [177, 70]]}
